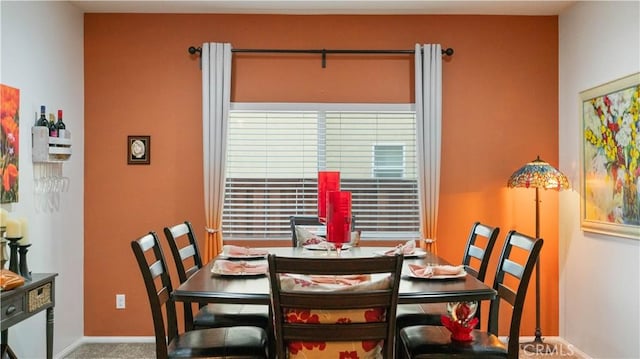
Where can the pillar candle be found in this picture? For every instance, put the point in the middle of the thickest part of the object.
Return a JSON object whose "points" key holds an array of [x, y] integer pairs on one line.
{"points": [[25, 232], [13, 228], [3, 217]]}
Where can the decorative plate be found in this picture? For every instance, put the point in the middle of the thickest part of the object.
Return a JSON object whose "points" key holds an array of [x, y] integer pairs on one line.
{"points": [[462, 274], [137, 148], [323, 247], [418, 253]]}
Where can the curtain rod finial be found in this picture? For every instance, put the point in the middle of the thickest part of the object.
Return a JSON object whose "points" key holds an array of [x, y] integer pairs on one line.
{"points": [[193, 50], [448, 51]]}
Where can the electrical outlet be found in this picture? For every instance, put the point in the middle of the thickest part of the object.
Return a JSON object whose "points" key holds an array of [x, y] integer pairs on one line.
{"points": [[120, 301]]}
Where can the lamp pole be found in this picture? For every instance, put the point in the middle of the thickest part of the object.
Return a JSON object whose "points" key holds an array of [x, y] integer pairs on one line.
{"points": [[537, 345]]}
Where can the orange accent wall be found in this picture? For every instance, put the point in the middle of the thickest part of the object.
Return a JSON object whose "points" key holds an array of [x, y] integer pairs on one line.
{"points": [[500, 99]]}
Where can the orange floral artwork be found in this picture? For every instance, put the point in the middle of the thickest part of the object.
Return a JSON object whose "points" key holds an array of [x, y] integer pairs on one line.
{"points": [[9, 143]]}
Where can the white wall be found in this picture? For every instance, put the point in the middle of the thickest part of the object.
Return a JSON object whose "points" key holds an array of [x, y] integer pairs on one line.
{"points": [[599, 274], [42, 55]]}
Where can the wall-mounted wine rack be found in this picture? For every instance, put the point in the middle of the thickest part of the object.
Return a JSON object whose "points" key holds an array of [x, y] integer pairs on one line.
{"points": [[50, 149]]}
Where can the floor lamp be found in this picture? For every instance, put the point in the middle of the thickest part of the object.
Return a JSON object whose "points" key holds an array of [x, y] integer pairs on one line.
{"points": [[538, 174]]}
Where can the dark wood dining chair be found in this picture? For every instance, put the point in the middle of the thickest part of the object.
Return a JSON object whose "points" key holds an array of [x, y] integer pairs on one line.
{"points": [[186, 255], [429, 341], [362, 315], [231, 342], [301, 221], [482, 238]]}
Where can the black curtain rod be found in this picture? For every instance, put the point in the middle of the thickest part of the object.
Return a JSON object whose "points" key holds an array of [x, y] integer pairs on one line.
{"points": [[198, 50]]}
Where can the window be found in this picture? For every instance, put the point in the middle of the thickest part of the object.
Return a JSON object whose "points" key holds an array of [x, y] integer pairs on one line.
{"points": [[274, 152], [388, 161]]}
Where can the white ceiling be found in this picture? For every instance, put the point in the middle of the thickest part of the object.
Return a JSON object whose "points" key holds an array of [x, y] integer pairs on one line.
{"points": [[503, 7]]}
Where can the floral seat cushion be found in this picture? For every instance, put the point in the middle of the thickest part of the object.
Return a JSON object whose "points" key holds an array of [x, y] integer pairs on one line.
{"points": [[359, 349], [340, 350]]}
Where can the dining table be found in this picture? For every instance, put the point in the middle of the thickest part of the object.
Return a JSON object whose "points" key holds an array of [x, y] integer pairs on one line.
{"points": [[204, 286]]}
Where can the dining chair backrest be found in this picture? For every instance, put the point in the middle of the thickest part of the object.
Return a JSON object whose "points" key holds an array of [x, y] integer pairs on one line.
{"points": [[186, 255], [379, 294], [301, 221], [184, 248], [476, 255], [514, 267], [153, 265]]}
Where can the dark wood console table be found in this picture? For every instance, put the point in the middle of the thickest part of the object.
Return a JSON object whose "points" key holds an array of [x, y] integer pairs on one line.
{"points": [[23, 302]]}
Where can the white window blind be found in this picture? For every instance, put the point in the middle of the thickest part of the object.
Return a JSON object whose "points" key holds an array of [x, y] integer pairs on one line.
{"points": [[274, 152]]}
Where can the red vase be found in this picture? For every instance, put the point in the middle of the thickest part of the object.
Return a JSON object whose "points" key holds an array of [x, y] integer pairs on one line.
{"points": [[338, 217], [327, 181]]}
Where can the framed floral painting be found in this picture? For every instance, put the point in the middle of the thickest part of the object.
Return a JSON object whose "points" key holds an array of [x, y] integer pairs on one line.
{"points": [[610, 175], [9, 142]]}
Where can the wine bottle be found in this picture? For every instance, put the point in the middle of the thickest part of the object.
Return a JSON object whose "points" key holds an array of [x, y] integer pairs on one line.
{"points": [[42, 121], [53, 130], [61, 126]]}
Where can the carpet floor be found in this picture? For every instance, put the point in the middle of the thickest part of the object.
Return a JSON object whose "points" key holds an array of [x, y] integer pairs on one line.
{"points": [[147, 351], [114, 351]]}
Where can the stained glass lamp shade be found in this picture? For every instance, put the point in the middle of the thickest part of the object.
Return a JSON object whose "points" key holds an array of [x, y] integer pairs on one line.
{"points": [[538, 174]]}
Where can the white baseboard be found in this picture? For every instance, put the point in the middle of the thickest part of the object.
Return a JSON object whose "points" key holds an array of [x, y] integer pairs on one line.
{"points": [[148, 339], [86, 340]]}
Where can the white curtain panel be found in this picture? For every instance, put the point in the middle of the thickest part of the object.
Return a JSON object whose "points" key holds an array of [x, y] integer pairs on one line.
{"points": [[216, 97], [428, 72]]}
